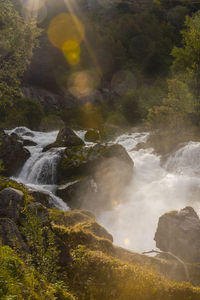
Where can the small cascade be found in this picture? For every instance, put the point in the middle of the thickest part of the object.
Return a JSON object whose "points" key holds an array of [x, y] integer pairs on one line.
{"points": [[41, 167], [186, 160], [39, 171]]}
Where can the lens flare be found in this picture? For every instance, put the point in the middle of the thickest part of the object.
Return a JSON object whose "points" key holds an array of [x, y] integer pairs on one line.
{"points": [[71, 51], [82, 84], [126, 242], [65, 27]]}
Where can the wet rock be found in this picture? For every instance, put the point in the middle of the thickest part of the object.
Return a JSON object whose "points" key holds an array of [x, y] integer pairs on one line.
{"points": [[10, 234], [28, 134], [84, 161], [110, 167], [66, 138], [12, 154], [178, 232], [79, 193], [2, 132], [92, 136], [41, 197], [11, 203], [29, 143]]}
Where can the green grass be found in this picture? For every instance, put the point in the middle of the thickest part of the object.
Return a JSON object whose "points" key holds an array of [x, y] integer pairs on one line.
{"points": [[20, 281]]}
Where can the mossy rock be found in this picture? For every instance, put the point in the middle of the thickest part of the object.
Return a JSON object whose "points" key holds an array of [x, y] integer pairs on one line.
{"points": [[65, 138], [12, 154], [96, 275], [83, 161], [92, 136], [80, 228]]}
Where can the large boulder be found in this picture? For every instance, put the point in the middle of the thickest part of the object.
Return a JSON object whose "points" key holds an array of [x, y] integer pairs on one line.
{"points": [[12, 154], [178, 232], [11, 203], [109, 168], [66, 138], [79, 193], [10, 234], [92, 136], [41, 197], [85, 161]]}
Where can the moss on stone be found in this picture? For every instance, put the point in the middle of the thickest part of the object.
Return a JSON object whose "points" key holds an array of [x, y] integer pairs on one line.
{"points": [[7, 182]]}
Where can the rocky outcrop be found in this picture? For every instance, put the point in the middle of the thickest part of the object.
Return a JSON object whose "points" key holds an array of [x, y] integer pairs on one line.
{"points": [[109, 168], [84, 161], [178, 232], [10, 234], [29, 143], [92, 136], [11, 203], [49, 101], [41, 197], [66, 138], [79, 194], [12, 154]]}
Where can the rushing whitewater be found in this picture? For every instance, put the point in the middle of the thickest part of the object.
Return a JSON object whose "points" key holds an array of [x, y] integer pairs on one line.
{"points": [[154, 189], [39, 171]]}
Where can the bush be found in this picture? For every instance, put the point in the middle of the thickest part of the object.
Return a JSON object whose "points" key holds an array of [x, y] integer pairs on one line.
{"points": [[22, 112], [43, 253]]}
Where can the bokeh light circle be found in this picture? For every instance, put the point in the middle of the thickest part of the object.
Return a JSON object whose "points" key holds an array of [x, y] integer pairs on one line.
{"points": [[82, 84], [65, 27]]}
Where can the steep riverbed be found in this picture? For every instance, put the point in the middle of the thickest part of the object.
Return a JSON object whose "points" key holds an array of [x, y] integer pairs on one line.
{"points": [[153, 190]]}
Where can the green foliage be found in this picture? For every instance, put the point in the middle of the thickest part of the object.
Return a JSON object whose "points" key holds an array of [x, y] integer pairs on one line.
{"points": [[17, 38], [172, 117], [7, 182], [51, 122], [187, 58], [94, 275], [41, 242], [20, 281], [22, 112]]}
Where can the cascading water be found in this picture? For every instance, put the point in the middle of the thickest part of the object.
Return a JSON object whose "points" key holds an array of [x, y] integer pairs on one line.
{"points": [[153, 191], [39, 171]]}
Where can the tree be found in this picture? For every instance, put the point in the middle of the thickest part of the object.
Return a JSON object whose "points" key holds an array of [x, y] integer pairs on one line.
{"points": [[187, 58], [17, 39], [173, 117]]}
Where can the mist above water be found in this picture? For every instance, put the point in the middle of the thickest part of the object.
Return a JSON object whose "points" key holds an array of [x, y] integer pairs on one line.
{"points": [[153, 190]]}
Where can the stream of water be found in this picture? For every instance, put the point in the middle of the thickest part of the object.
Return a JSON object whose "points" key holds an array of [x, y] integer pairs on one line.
{"points": [[154, 189]]}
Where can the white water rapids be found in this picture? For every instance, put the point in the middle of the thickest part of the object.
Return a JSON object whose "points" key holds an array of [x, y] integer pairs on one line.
{"points": [[153, 190], [39, 171]]}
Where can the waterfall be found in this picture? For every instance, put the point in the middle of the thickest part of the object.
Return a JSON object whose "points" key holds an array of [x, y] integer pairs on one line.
{"points": [[154, 190], [39, 171]]}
